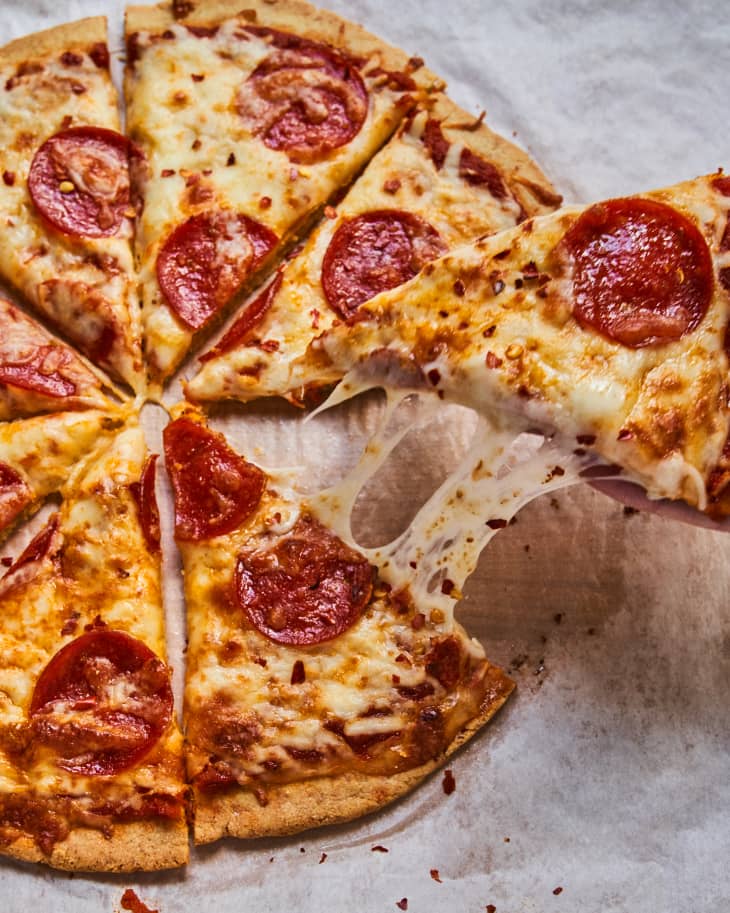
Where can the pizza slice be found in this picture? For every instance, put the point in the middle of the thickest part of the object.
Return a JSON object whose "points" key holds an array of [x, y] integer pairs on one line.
{"points": [[65, 205], [316, 689], [606, 323], [90, 754], [442, 180], [38, 373], [250, 118], [37, 456]]}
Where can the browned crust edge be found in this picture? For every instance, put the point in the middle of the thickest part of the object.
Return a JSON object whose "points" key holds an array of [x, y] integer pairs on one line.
{"points": [[135, 846], [528, 183], [320, 801], [64, 37], [296, 16]]}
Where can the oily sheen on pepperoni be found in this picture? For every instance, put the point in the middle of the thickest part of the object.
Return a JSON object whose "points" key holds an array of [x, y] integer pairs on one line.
{"points": [[205, 261], [39, 373], [641, 271], [306, 590], [374, 252], [215, 489], [79, 181], [305, 98], [101, 703], [145, 498]]}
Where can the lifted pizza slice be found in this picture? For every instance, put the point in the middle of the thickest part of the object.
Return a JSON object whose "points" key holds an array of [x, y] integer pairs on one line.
{"points": [[65, 206], [316, 691], [37, 456], [90, 754], [606, 323], [38, 373], [442, 180], [251, 119]]}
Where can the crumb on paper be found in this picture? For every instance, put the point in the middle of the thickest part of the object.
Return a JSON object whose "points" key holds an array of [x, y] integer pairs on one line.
{"points": [[378, 848], [435, 875], [322, 858], [131, 902], [448, 783], [402, 904], [557, 890]]}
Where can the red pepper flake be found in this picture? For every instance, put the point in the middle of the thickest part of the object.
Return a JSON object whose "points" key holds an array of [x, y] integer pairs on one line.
{"points": [[231, 160], [395, 679], [557, 890], [378, 848], [402, 658], [413, 564], [207, 172], [447, 587], [264, 202], [435, 875], [434, 376], [8, 178], [402, 904], [392, 185], [489, 331], [131, 902], [519, 283], [95, 624], [496, 523], [196, 144], [322, 858], [297, 673], [493, 361], [260, 661], [448, 782], [459, 288], [530, 270], [71, 623], [625, 435], [167, 172], [6, 561], [418, 621], [197, 77], [502, 254]]}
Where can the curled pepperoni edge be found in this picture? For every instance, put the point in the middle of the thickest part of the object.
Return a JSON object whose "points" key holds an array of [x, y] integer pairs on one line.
{"points": [[81, 203], [189, 449], [587, 226], [145, 497], [59, 675], [15, 495]]}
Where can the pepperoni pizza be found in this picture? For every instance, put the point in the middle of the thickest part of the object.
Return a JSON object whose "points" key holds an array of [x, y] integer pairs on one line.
{"points": [[65, 205], [442, 180], [90, 755], [250, 119], [607, 323], [316, 691]]}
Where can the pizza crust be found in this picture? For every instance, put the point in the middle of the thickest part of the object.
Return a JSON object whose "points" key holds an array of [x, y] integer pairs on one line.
{"points": [[64, 37], [135, 846], [296, 16], [295, 807]]}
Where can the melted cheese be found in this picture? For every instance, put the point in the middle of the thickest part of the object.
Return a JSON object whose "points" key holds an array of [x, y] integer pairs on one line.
{"points": [[75, 282], [402, 176], [192, 128]]}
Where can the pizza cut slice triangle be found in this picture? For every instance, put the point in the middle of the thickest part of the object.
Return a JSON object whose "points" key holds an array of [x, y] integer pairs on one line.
{"points": [[40, 374], [316, 690], [606, 324], [38, 454], [65, 202], [90, 754], [251, 119], [443, 179]]}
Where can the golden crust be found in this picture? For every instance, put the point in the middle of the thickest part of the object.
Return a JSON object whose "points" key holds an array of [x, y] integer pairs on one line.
{"points": [[526, 181], [295, 16], [135, 846], [334, 799], [80, 34]]}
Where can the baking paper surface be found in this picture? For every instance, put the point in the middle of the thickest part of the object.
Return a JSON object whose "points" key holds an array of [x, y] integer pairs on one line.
{"points": [[606, 775]]}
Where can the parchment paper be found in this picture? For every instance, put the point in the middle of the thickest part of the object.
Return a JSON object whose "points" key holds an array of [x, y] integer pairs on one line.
{"points": [[606, 775]]}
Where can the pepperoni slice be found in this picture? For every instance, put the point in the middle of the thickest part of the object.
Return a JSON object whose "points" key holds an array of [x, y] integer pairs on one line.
{"points": [[39, 372], [641, 271], [305, 98], [79, 181], [102, 703], [15, 495], [216, 490], [206, 260], [306, 590], [249, 319], [374, 252], [145, 498]]}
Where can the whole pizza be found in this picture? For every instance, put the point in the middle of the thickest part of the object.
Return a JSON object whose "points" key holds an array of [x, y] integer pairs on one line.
{"points": [[292, 208]]}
